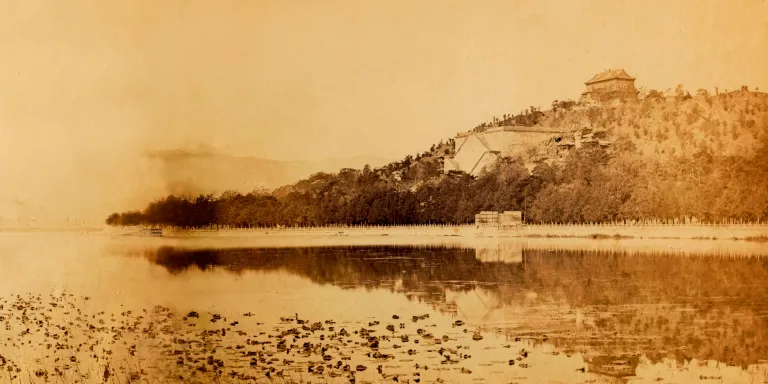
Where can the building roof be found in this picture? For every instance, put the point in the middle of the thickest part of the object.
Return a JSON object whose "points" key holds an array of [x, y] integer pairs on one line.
{"points": [[610, 75]]}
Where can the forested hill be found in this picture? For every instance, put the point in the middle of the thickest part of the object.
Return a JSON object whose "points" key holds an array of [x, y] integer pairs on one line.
{"points": [[673, 157], [675, 125]]}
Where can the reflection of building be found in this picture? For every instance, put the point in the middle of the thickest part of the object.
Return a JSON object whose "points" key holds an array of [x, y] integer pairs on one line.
{"points": [[504, 253], [476, 150], [614, 366], [609, 85]]}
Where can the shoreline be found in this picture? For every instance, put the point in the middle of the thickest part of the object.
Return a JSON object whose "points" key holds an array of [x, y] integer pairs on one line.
{"points": [[741, 232], [496, 245], [745, 232], [737, 240]]}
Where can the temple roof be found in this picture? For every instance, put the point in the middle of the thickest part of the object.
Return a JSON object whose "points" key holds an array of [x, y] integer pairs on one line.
{"points": [[610, 75]]}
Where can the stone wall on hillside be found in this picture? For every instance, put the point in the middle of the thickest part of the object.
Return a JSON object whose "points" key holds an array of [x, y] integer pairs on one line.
{"points": [[475, 150]]}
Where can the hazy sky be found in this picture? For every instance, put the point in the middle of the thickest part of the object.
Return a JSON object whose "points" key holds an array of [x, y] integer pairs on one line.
{"points": [[87, 85]]}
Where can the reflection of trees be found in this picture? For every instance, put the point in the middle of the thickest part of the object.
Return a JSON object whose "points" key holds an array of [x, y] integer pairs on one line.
{"points": [[584, 277], [667, 306], [701, 306], [422, 273]]}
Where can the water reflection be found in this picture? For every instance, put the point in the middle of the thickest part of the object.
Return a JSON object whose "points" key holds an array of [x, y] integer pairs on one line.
{"points": [[630, 313], [614, 308], [500, 253]]}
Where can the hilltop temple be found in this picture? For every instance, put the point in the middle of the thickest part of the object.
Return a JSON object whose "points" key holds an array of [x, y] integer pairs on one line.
{"points": [[474, 150], [610, 85]]}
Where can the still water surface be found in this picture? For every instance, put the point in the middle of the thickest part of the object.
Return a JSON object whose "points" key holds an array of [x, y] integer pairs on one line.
{"points": [[89, 308]]}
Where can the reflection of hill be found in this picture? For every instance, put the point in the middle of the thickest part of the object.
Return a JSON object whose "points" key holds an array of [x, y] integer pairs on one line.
{"points": [[668, 306], [418, 272], [663, 305], [588, 278]]}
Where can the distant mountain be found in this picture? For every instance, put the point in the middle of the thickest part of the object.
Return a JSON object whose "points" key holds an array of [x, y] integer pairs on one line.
{"points": [[192, 172]]}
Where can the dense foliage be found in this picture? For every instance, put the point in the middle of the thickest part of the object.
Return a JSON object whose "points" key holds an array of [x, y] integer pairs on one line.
{"points": [[721, 321], [672, 159], [593, 185]]}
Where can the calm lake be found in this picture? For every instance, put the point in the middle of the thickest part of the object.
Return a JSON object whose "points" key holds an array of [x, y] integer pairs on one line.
{"points": [[99, 308]]}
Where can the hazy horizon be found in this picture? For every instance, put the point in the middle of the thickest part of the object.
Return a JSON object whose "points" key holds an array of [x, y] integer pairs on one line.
{"points": [[89, 87]]}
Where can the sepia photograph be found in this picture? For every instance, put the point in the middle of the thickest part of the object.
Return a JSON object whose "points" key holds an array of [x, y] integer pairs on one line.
{"points": [[401, 191]]}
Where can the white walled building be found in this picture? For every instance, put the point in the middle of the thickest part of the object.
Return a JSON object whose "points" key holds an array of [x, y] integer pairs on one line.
{"points": [[475, 150]]}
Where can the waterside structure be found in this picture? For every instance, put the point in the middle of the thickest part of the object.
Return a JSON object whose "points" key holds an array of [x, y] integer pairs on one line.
{"points": [[499, 219]]}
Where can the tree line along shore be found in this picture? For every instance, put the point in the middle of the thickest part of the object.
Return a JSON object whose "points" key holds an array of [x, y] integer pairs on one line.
{"points": [[700, 159]]}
